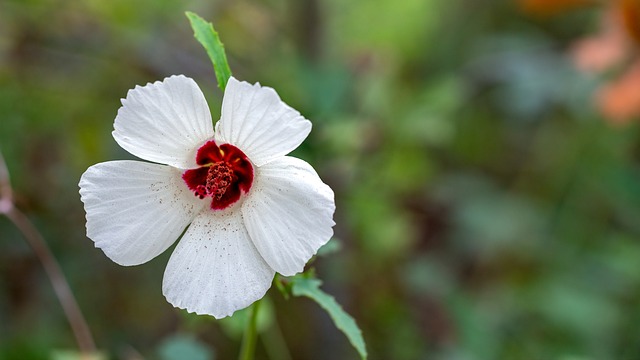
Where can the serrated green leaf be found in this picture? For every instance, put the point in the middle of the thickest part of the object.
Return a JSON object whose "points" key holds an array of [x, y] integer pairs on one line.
{"points": [[309, 287], [208, 37]]}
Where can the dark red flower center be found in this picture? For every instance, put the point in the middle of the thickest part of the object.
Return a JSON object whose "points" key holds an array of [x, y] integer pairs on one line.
{"points": [[224, 174]]}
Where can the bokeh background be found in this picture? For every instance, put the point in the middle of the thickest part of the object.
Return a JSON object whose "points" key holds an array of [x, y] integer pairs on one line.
{"points": [[485, 157]]}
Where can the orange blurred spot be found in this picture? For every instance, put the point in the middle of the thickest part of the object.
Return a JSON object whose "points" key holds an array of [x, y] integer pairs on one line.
{"points": [[604, 50], [619, 101], [630, 13]]}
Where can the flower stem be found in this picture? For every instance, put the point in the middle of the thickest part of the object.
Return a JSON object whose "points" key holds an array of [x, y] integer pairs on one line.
{"points": [[250, 334], [51, 267], [274, 344]]}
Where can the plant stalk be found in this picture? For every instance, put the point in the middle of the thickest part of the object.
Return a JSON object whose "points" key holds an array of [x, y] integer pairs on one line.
{"points": [[51, 267], [250, 334]]}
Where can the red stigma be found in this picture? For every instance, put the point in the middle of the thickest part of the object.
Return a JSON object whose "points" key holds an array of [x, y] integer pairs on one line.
{"points": [[224, 174]]}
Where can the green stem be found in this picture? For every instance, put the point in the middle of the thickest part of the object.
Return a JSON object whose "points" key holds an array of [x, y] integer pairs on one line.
{"points": [[250, 334], [274, 344]]}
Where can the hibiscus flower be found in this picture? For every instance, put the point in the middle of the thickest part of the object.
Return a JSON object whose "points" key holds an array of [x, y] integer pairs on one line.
{"points": [[251, 211]]}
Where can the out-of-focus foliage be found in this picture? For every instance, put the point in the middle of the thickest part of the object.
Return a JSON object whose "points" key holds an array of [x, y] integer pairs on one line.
{"points": [[181, 347], [485, 209], [75, 355], [302, 285]]}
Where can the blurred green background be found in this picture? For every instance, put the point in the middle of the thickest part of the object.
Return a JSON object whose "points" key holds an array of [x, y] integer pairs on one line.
{"points": [[486, 210]]}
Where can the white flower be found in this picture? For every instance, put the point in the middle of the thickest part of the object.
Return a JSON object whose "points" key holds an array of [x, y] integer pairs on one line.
{"points": [[252, 210]]}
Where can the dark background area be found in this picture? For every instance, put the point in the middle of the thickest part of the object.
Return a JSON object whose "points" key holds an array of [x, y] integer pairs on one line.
{"points": [[488, 204]]}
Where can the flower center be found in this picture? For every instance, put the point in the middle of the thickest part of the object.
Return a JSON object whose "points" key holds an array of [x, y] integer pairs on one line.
{"points": [[219, 177], [224, 174]]}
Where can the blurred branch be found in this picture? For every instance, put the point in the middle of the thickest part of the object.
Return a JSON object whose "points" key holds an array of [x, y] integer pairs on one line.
{"points": [[6, 193], [52, 268]]}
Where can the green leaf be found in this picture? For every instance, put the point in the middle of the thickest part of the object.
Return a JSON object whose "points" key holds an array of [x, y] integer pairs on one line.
{"points": [[309, 287], [208, 37], [283, 285]]}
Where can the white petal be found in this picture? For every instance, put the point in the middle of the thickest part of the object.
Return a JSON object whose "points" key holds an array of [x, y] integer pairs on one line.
{"points": [[288, 214], [215, 269], [136, 210], [255, 120], [164, 122]]}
